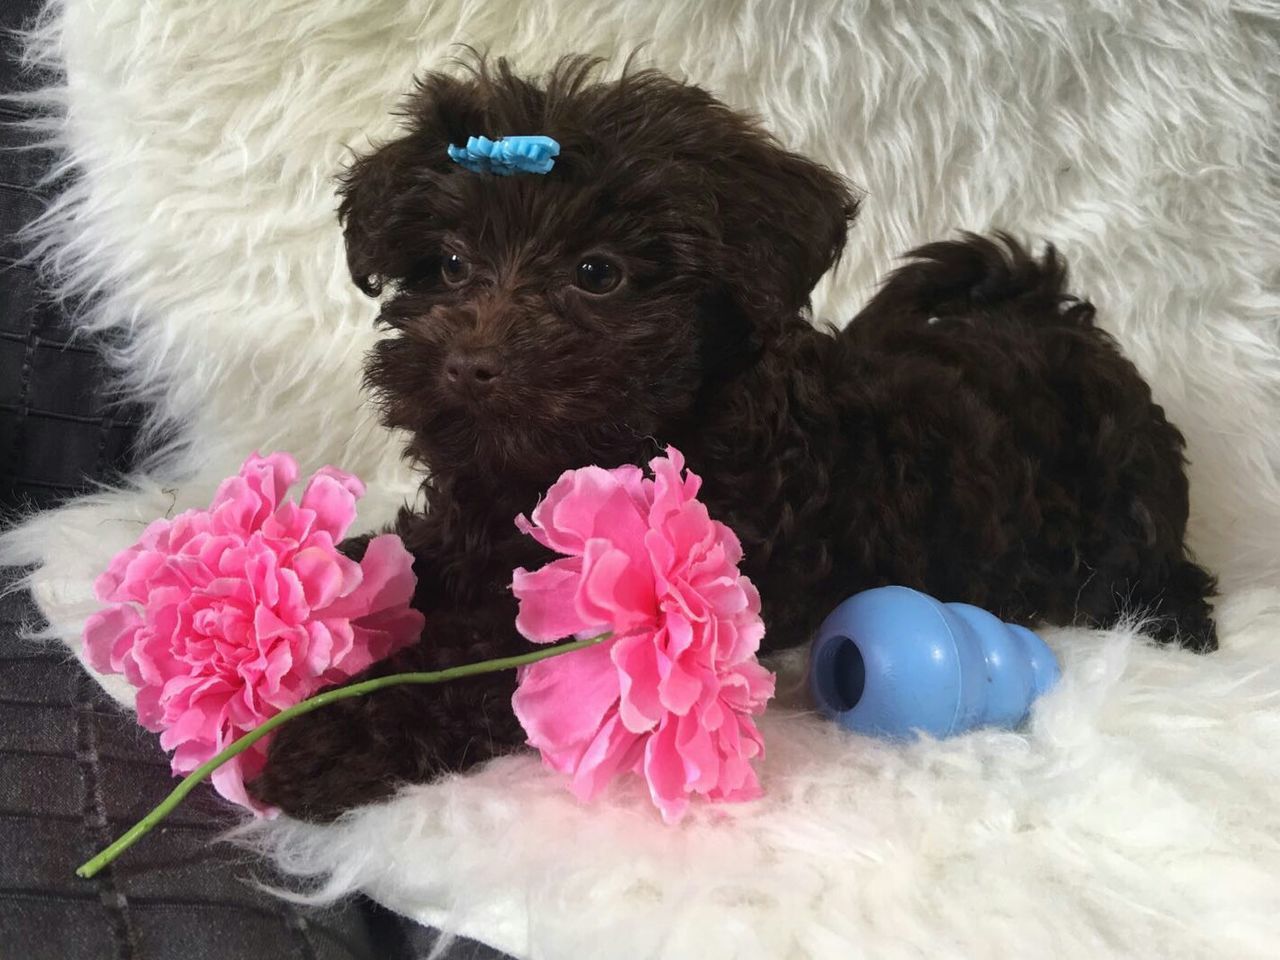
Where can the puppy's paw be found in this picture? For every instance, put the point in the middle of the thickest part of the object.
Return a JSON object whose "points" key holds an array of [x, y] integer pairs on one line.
{"points": [[360, 750], [342, 756]]}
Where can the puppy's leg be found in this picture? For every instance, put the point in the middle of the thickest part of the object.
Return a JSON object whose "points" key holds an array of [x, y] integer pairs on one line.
{"points": [[360, 750], [1135, 493], [1181, 609]]}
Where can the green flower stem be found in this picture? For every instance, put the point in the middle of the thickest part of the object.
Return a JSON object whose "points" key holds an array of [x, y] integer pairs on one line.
{"points": [[167, 805]]}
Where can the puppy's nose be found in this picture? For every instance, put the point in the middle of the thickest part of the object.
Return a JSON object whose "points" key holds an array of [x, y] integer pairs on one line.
{"points": [[472, 369]]}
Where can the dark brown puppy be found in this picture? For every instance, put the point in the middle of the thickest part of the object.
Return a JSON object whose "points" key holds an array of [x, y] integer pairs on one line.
{"points": [[971, 433]]}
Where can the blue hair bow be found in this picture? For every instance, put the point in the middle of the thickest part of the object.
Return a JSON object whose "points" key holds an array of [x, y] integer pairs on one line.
{"points": [[506, 155]]}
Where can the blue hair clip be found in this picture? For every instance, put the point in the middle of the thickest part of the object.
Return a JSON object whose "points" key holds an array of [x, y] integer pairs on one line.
{"points": [[506, 155]]}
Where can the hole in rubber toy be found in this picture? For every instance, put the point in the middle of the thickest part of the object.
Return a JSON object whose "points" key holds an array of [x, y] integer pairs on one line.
{"points": [[846, 677]]}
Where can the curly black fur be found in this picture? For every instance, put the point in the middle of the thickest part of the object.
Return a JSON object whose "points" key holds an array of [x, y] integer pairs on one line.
{"points": [[971, 433]]}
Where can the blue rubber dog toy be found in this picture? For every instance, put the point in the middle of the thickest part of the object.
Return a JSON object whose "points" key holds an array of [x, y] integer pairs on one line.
{"points": [[892, 661]]}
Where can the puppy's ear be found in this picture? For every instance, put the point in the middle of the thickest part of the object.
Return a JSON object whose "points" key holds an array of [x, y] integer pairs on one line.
{"points": [[390, 196], [795, 221], [787, 219]]}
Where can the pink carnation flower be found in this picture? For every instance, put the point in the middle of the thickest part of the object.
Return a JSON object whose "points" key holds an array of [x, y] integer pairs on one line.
{"points": [[671, 695], [223, 617]]}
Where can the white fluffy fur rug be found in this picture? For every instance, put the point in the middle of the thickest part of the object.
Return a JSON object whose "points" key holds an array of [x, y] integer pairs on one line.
{"points": [[1140, 813]]}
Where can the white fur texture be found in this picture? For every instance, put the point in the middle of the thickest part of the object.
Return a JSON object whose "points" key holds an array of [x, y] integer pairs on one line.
{"points": [[1139, 815]]}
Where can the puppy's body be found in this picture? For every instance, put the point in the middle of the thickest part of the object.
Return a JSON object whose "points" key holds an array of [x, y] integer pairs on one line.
{"points": [[971, 433]]}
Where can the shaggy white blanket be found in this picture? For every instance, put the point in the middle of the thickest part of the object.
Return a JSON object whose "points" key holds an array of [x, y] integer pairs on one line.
{"points": [[1140, 812]]}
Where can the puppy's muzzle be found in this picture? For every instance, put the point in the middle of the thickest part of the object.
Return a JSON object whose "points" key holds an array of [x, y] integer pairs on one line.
{"points": [[472, 373]]}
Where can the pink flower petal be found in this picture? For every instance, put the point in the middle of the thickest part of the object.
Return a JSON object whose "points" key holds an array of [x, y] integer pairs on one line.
{"points": [[613, 589], [108, 634], [567, 529], [332, 496], [150, 712], [548, 608], [343, 636], [289, 526], [269, 479], [191, 754], [386, 580], [679, 688], [664, 770], [585, 504], [379, 635], [612, 750], [320, 575], [190, 725], [319, 647], [702, 763], [636, 659], [266, 624], [292, 604], [566, 704], [229, 781]]}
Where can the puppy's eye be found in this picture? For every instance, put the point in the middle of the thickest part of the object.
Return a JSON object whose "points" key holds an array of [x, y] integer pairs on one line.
{"points": [[597, 275], [454, 269]]}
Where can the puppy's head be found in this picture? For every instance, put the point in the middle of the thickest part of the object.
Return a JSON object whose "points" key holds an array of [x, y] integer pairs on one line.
{"points": [[545, 322]]}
